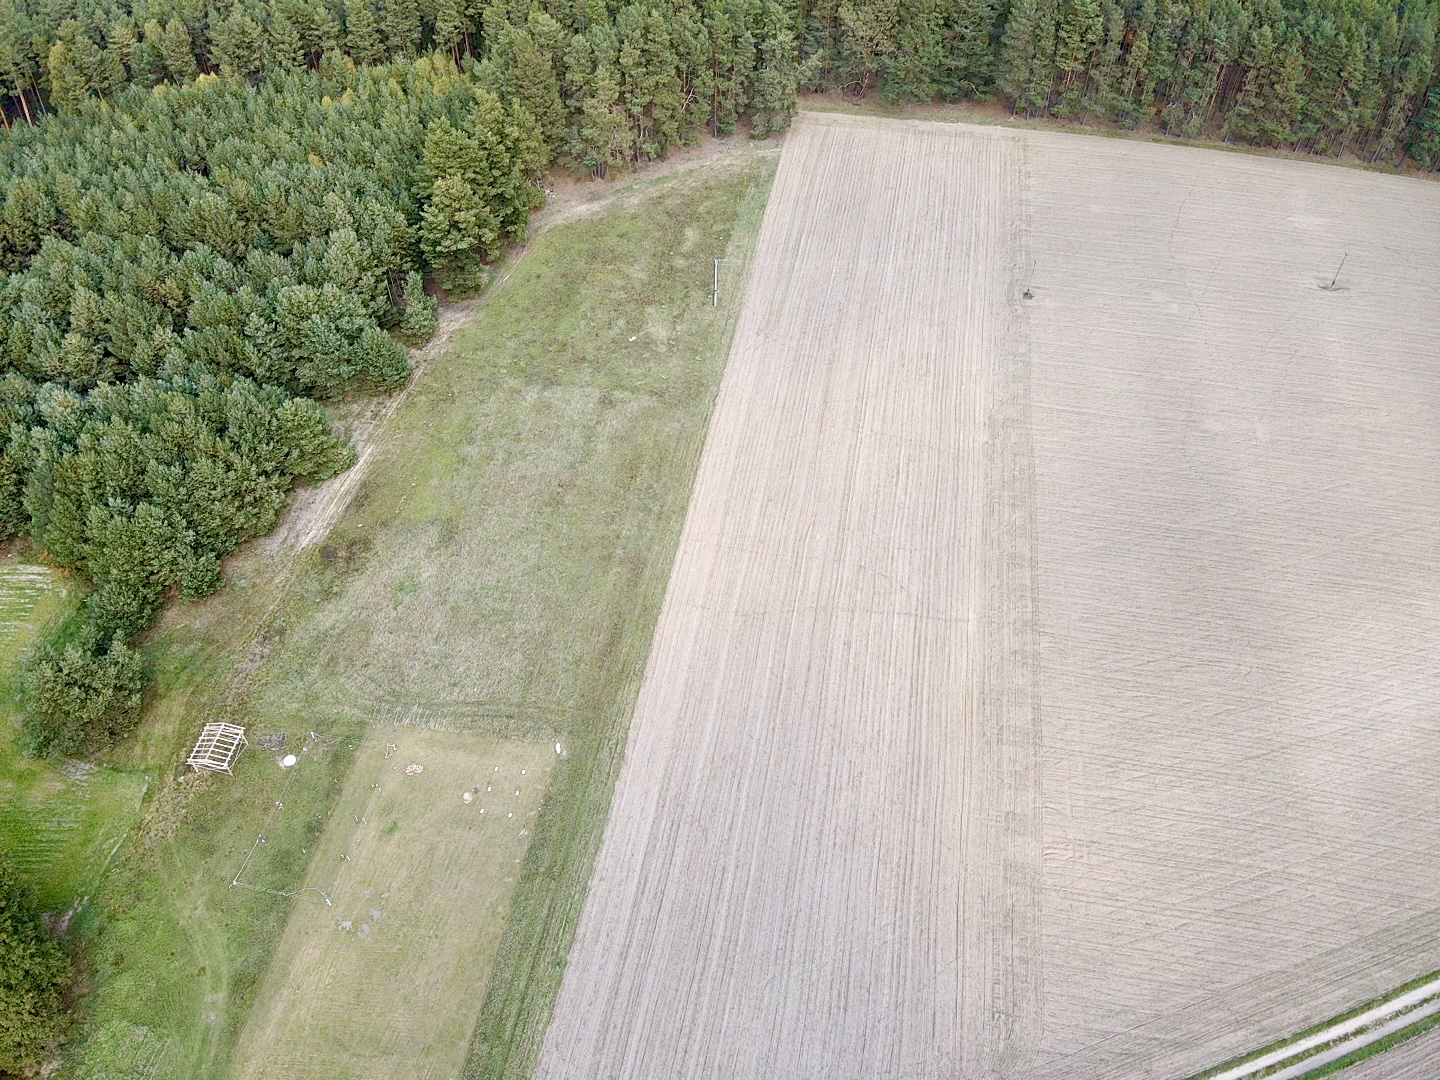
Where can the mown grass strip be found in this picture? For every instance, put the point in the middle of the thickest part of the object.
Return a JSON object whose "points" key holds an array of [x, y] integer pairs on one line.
{"points": [[1379, 1046]]}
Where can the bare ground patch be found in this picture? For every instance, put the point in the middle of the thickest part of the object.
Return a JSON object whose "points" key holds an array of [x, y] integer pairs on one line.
{"points": [[1238, 493], [571, 198]]}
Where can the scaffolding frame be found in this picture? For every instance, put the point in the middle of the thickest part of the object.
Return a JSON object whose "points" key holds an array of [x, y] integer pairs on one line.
{"points": [[217, 748]]}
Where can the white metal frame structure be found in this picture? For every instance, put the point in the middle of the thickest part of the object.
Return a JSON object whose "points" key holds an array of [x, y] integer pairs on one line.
{"points": [[217, 747]]}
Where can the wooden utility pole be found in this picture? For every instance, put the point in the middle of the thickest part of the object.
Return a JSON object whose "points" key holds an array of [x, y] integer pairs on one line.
{"points": [[715, 289]]}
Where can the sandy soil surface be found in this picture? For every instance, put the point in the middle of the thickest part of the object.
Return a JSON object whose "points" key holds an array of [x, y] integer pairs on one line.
{"points": [[1238, 483], [1046, 683], [569, 197], [823, 856]]}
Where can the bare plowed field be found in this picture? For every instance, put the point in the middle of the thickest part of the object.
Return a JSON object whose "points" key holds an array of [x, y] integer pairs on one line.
{"points": [[1238, 492], [831, 783], [1046, 684]]}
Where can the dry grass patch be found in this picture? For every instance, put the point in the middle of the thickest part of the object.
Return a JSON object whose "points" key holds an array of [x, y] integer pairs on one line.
{"points": [[387, 978]]}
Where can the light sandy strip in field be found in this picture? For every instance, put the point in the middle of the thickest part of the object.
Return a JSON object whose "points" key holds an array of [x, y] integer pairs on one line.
{"points": [[1346, 1047], [822, 859], [1310, 1065]]}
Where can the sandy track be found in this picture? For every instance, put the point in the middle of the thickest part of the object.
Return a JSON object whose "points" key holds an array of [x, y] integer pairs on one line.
{"points": [[823, 859], [314, 509], [1046, 688]]}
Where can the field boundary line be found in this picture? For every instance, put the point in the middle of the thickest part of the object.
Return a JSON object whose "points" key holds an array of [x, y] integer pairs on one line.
{"points": [[1406, 1006], [968, 113]]}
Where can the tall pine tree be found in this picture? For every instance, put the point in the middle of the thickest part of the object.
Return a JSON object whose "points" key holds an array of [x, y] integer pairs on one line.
{"points": [[178, 51]]}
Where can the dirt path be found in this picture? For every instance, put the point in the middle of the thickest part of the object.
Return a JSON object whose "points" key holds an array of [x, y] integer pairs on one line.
{"points": [[823, 855], [314, 510], [1342, 1038], [571, 198]]}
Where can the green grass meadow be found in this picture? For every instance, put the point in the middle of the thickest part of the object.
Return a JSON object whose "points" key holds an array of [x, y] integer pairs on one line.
{"points": [[500, 573], [60, 823]]}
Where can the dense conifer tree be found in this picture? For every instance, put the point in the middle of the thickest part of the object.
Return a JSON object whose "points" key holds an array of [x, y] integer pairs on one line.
{"points": [[1268, 106], [605, 135], [287, 47], [33, 971], [518, 69], [178, 51], [916, 62], [867, 40], [400, 26], [69, 89], [238, 44], [1425, 137], [967, 65], [729, 56], [1332, 76], [777, 70], [1028, 55], [362, 33], [650, 84]]}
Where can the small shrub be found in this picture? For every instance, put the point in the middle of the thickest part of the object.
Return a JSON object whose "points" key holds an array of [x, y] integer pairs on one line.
{"points": [[80, 696]]}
